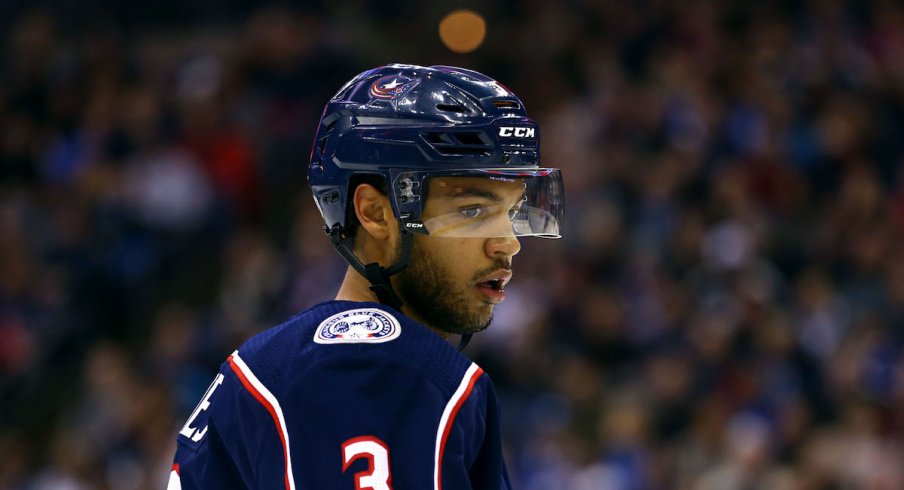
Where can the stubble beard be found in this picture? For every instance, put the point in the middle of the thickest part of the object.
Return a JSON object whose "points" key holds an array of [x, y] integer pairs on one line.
{"points": [[426, 289]]}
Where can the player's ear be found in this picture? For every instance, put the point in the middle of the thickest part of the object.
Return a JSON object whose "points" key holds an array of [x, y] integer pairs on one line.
{"points": [[374, 211]]}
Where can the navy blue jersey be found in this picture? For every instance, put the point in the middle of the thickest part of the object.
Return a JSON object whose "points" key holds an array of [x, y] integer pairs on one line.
{"points": [[349, 396]]}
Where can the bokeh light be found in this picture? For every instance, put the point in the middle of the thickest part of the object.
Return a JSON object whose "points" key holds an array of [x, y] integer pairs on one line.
{"points": [[462, 31]]}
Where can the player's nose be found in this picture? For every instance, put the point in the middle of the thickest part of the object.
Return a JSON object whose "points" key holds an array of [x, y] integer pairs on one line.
{"points": [[503, 246]]}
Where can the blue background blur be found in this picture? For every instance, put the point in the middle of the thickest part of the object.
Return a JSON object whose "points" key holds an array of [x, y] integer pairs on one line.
{"points": [[726, 311]]}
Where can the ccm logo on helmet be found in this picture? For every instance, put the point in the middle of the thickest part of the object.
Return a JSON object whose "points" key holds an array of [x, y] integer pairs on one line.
{"points": [[521, 132]]}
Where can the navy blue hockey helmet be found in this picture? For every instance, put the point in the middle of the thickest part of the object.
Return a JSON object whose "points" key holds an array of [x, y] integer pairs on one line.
{"points": [[409, 123]]}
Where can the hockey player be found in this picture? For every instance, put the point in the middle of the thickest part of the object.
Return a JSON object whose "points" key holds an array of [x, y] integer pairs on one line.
{"points": [[425, 178]]}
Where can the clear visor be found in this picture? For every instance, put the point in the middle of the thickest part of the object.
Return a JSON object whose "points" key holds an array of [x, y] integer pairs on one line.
{"points": [[495, 203]]}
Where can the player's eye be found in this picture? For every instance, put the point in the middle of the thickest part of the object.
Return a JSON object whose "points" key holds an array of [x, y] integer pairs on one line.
{"points": [[473, 212]]}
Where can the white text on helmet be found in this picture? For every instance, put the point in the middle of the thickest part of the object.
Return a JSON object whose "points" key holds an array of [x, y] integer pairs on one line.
{"points": [[520, 132]]}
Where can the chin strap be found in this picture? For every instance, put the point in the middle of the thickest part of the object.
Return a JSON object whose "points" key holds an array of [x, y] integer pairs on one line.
{"points": [[463, 342], [377, 275]]}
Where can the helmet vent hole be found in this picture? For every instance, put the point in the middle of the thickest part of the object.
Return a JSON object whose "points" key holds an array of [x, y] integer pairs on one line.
{"points": [[321, 143], [438, 138], [470, 139], [456, 108], [473, 143], [506, 104]]}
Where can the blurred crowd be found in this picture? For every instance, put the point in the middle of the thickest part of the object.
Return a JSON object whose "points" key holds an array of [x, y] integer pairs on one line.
{"points": [[725, 312]]}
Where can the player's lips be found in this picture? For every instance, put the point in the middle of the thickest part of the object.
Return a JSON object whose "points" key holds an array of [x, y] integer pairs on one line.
{"points": [[493, 285]]}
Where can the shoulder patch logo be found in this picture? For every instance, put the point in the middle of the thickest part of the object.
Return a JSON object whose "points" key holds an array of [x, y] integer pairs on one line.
{"points": [[358, 326]]}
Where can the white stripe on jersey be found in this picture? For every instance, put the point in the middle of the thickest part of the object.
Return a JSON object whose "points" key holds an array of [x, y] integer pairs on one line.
{"points": [[461, 394], [274, 403]]}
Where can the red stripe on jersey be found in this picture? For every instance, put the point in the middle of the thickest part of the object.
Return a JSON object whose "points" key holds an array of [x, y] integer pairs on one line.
{"points": [[263, 401], [448, 428], [176, 468]]}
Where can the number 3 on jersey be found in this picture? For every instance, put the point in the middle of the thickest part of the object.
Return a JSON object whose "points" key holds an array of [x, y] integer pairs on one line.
{"points": [[377, 475]]}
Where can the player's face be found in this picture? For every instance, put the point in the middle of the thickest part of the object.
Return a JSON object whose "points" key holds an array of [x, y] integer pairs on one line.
{"points": [[452, 284]]}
